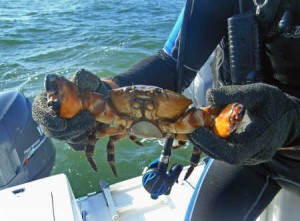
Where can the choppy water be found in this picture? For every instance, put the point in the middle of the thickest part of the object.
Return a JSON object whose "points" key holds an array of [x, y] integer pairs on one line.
{"points": [[38, 37]]}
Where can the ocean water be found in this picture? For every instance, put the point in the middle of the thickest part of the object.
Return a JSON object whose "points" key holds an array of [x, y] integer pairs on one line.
{"points": [[38, 37]]}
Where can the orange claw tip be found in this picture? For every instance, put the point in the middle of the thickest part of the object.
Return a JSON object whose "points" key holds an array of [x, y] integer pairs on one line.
{"points": [[228, 120]]}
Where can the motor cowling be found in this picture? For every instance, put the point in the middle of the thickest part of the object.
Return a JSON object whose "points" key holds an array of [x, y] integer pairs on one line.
{"points": [[26, 154]]}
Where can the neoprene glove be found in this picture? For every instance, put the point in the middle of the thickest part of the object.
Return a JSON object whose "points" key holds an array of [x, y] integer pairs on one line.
{"points": [[272, 121], [72, 131]]}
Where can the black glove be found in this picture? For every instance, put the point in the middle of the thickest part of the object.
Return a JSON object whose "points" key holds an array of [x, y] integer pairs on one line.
{"points": [[272, 121], [72, 131]]}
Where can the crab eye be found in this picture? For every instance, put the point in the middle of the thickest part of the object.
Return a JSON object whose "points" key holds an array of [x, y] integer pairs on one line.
{"points": [[158, 91]]}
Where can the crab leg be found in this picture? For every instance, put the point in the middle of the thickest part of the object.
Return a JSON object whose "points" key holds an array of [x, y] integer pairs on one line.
{"points": [[180, 143], [193, 162], [135, 140], [195, 158], [89, 151], [115, 135], [111, 151], [98, 132], [222, 124], [109, 131]]}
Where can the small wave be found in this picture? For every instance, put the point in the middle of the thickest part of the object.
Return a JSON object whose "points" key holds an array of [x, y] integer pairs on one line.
{"points": [[10, 42], [36, 30], [56, 54]]}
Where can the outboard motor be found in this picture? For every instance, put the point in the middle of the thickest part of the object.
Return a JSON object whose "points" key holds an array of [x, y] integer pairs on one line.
{"points": [[26, 154]]}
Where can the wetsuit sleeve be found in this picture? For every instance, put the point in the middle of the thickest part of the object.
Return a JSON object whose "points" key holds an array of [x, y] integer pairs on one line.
{"points": [[206, 26], [158, 70]]}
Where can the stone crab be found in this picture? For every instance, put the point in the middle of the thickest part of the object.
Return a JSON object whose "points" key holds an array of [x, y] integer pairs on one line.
{"points": [[139, 110]]}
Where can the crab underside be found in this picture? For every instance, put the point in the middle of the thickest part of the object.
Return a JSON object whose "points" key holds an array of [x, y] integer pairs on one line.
{"points": [[144, 111]]}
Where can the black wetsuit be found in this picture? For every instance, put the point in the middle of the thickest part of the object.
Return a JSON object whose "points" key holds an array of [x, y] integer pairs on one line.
{"points": [[231, 192]]}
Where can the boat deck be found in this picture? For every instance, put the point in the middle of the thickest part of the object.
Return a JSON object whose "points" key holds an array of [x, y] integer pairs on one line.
{"points": [[128, 201]]}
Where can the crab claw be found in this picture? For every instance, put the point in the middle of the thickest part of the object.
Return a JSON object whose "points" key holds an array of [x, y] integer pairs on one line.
{"points": [[51, 83], [228, 120], [52, 89], [62, 96]]}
